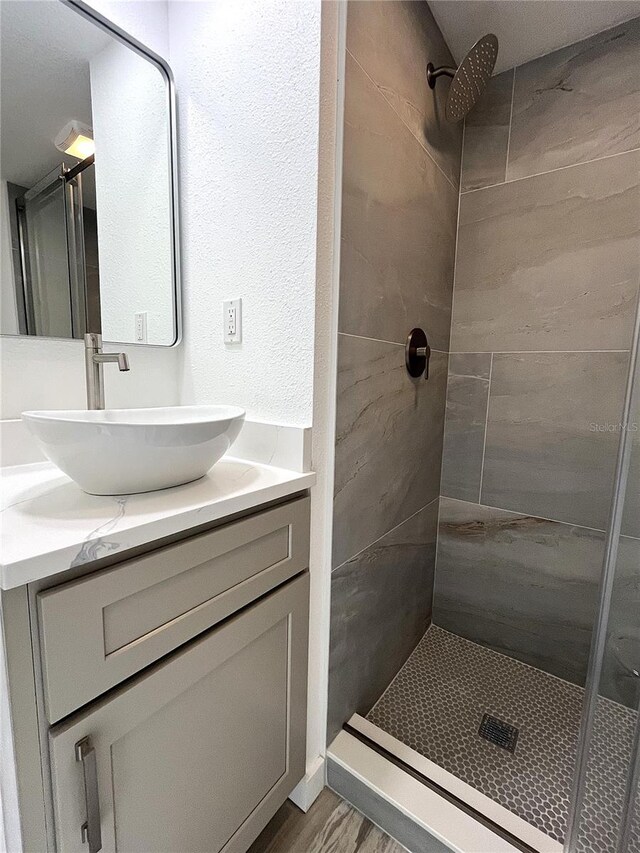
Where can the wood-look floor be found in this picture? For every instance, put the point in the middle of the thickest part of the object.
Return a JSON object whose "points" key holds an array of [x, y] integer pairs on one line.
{"points": [[330, 826]]}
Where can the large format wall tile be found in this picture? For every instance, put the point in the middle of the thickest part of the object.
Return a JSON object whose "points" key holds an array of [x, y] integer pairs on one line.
{"points": [[521, 585], [388, 441], [578, 103], [549, 451], [381, 607], [466, 415], [398, 225], [551, 262], [486, 135], [393, 41]]}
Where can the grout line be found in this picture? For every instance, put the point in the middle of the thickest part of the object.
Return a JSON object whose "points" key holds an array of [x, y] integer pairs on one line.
{"points": [[403, 122], [486, 427], [506, 161], [366, 338], [551, 171], [395, 527], [536, 351], [391, 343], [532, 515]]}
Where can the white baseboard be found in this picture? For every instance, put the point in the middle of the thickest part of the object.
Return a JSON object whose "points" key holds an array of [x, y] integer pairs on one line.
{"points": [[310, 787]]}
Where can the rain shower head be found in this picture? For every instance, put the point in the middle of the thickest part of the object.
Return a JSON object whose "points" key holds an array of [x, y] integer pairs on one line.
{"points": [[470, 78]]}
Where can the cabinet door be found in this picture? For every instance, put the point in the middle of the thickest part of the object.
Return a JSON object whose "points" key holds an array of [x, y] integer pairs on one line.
{"points": [[199, 752]]}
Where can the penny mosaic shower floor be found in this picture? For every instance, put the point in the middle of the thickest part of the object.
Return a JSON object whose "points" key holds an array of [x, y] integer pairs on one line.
{"points": [[438, 700]]}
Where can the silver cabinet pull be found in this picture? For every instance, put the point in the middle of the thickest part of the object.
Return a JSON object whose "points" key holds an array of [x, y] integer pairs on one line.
{"points": [[91, 827]]}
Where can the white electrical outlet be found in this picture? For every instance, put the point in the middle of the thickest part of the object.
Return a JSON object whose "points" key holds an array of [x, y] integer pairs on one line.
{"points": [[232, 321], [141, 327]]}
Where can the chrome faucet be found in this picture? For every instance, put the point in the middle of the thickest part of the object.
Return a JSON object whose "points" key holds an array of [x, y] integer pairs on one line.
{"points": [[94, 358]]}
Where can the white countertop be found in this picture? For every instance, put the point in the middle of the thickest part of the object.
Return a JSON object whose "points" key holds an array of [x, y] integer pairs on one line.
{"points": [[48, 524]]}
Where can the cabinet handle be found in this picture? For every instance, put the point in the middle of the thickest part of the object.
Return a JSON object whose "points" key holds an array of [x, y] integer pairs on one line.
{"points": [[90, 829]]}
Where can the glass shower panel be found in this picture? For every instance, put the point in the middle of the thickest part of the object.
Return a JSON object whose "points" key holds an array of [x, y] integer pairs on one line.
{"points": [[608, 768]]}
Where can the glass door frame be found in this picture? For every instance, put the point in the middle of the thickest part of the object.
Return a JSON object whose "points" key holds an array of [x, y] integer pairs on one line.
{"points": [[599, 640]]}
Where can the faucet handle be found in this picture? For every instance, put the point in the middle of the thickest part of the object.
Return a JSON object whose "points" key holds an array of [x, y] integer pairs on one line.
{"points": [[123, 361]]}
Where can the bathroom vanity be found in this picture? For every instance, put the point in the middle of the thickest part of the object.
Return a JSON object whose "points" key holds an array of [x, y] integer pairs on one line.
{"points": [[156, 657], [153, 647]]}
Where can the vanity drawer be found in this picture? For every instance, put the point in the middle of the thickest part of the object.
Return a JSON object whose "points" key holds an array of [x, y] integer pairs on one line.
{"points": [[99, 630]]}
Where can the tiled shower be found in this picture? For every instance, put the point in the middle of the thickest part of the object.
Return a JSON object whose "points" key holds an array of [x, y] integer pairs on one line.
{"points": [[478, 501]]}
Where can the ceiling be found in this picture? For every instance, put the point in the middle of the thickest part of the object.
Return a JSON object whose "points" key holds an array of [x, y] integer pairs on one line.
{"points": [[45, 49], [526, 29]]}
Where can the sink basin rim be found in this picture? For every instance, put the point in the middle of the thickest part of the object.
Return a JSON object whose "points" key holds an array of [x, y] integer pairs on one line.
{"points": [[140, 450], [133, 417]]}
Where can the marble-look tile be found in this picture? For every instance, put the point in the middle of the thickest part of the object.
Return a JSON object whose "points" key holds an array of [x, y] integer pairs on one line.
{"points": [[545, 453], [466, 416], [551, 262], [577, 103], [486, 135], [393, 42], [399, 217], [521, 585], [388, 441], [622, 653], [380, 608]]}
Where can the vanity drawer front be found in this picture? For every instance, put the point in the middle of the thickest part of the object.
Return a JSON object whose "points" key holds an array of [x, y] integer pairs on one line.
{"points": [[99, 630]]}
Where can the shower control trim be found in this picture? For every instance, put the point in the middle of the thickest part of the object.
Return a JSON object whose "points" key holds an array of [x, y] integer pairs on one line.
{"points": [[417, 353]]}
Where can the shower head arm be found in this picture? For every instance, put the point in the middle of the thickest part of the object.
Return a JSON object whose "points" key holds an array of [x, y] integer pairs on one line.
{"points": [[433, 73]]}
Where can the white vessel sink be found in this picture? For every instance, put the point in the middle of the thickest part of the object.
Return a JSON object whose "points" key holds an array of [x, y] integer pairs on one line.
{"points": [[124, 451]]}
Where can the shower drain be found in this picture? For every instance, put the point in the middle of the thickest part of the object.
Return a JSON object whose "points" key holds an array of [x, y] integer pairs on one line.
{"points": [[502, 734]]}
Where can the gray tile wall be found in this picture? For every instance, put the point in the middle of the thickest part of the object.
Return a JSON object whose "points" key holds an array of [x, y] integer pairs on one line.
{"points": [[399, 213], [546, 283], [381, 607]]}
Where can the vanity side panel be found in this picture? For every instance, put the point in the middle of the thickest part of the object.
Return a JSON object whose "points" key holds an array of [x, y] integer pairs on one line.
{"points": [[23, 721]]}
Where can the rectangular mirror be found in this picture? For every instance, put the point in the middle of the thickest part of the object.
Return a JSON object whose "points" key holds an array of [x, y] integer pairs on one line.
{"points": [[87, 179]]}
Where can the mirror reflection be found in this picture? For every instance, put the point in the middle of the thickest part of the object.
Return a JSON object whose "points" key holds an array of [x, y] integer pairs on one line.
{"points": [[86, 176]]}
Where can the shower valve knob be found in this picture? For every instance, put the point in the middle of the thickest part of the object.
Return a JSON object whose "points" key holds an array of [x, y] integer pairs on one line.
{"points": [[417, 354]]}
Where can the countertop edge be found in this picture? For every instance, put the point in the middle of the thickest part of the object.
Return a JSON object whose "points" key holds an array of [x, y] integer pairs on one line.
{"points": [[49, 564]]}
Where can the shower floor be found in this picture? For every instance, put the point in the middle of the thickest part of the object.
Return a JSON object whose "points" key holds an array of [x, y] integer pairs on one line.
{"points": [[436, 704]]}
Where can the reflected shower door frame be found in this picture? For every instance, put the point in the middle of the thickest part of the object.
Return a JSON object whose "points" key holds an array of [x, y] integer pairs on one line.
{"points": [[65, 186]]}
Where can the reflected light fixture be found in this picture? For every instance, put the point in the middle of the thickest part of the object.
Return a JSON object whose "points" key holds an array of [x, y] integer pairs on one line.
{"points": [[76, 139]]}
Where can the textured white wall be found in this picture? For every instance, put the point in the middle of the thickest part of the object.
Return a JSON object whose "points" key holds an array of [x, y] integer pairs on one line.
{"points": [[37, 373], [247, 76], [247, 79]]}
